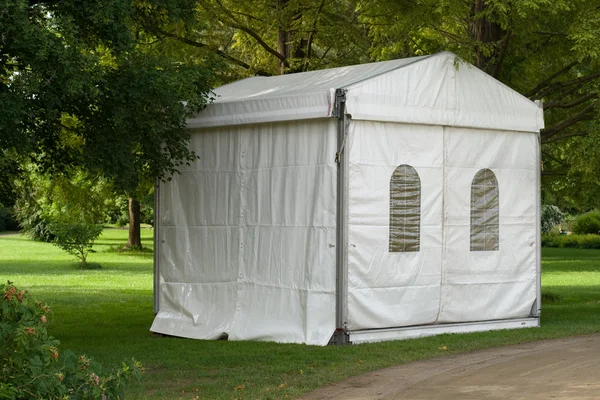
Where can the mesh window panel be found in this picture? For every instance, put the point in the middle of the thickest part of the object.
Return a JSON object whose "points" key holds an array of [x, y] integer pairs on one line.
{"points": [[485, 214], [405, 210]]}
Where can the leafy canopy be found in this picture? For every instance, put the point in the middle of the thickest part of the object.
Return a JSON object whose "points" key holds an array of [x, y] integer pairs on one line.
{"points": [[83, 84]]}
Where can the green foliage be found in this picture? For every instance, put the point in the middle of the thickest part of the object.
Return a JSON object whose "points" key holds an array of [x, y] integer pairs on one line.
{"points": [[551, 216], [35, 225], [587, 223], [76, 238], [77, 197], [589, 241], [30, 362], [262, 37], [87, 86]]}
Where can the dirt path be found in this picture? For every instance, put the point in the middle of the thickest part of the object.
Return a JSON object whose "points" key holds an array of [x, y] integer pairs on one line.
{"points": [[552, 369]]}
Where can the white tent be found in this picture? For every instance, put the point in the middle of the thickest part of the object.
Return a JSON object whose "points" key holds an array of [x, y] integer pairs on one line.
{"points": [[371, 202]]}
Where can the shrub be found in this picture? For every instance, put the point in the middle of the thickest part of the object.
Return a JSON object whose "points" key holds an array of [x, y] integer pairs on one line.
{"points": [[587, 223], [34, 225], [31, 365], [7, 221], [73, 196], [571, 241], [551, 216], [76, 238]]}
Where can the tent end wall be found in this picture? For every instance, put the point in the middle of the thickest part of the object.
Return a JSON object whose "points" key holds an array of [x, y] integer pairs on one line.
{"points": [[413, 332]]}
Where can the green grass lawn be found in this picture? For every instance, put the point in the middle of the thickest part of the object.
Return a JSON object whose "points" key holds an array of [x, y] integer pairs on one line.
{"points": [[106, 314]]}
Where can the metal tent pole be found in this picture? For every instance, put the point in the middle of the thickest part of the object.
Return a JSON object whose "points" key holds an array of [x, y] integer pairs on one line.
{"points": [[156, 245], [340, 335]]}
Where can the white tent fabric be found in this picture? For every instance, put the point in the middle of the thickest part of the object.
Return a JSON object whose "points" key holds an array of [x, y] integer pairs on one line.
{"points": [[444, 282], [435, 90], [248, 236]]}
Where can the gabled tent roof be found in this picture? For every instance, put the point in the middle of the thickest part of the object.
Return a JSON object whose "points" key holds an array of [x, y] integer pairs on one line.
{"points": [[439, 89]]}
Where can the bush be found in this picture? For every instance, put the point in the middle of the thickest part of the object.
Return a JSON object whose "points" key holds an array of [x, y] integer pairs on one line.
{"points": [[76, 239], [8, 221], [31, 365], [587, 223], [34, 224], [75, 196], [551, 216], [571, 241]]}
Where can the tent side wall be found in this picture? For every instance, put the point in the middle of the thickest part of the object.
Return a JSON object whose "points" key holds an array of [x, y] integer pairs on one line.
{"points": [[247, 235]]}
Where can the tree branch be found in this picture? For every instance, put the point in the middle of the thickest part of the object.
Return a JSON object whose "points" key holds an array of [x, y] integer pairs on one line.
{"points": [[549, 80], [548, 155], [234, 23], [212, 49], [503, 52], [577, 81], [313, 31], [552, 173], [582, 115], [558, 138], [570, 104], [551, 33]]}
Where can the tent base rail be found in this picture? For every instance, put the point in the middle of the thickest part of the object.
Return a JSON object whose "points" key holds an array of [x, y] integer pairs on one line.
{"points": [[412, 332]]}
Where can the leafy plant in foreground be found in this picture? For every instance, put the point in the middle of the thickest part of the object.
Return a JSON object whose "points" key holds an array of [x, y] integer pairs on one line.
{"points": [[31, 366]]}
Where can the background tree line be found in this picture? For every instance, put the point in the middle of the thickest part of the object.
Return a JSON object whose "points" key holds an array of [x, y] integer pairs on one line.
{"points": [[99, 92]]}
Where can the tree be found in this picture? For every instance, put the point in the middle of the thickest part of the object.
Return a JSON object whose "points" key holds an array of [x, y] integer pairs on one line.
{"points": [[83, 84], [546, 50], [267, 37]]}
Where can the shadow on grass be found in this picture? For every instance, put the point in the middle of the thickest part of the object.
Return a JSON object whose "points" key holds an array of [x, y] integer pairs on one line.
{"points": [[588, 266], [32, 268], [20, 238], [123, 250], [567, 254]]}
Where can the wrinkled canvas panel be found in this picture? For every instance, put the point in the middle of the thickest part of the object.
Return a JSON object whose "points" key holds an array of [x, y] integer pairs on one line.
{"points": [[498, 284], [247, 236], [387, 288]]}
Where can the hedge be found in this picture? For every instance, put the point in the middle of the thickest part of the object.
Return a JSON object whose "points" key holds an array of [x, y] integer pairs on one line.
{"points": [[573, 241]]}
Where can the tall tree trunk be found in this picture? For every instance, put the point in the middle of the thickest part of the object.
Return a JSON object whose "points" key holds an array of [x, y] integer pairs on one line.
{"points": [[135, 235], [485, 32], [283, 37]]}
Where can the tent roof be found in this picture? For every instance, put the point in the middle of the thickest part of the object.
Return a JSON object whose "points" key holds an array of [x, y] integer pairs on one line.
{"points": [[439, 89]]}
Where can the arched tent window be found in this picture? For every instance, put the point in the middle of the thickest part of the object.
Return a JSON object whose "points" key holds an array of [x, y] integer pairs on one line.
{"points": [[405, 210], [485, 214]]}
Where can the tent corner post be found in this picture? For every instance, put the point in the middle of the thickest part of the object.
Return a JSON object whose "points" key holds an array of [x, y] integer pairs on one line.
{"points": [[341, 267], [156, 245], [538, 223]]}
